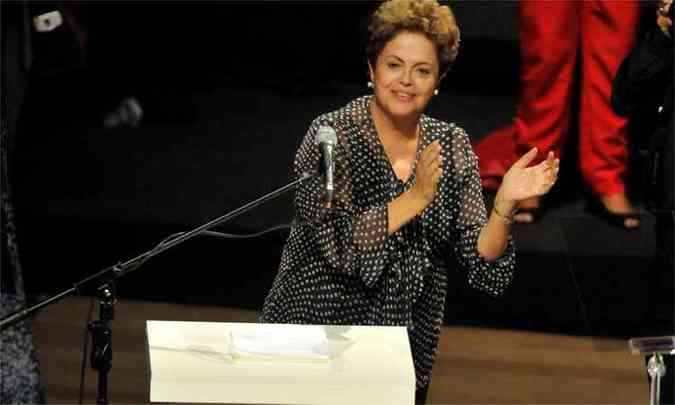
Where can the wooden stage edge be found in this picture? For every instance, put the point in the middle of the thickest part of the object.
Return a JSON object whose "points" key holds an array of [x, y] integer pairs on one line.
{"points": [[473, 366]]}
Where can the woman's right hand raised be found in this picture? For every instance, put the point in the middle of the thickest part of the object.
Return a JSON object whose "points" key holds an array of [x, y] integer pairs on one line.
{"points": [[428, 172], [411, 203]]}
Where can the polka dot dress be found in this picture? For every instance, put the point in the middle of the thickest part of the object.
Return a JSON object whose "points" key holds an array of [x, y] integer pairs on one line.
{"points": [[340, 266]]}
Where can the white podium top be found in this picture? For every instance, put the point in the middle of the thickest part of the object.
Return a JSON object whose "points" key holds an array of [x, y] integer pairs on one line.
{"points": [[250, 363]]}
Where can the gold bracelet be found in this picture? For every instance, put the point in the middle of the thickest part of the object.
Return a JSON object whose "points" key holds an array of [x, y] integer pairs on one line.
{"points": [[507, 219]]}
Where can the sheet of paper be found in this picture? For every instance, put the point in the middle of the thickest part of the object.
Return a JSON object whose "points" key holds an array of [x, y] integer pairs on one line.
{"points": [[281, 341]]}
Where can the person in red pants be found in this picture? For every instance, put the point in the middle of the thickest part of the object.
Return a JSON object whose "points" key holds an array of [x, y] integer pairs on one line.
{"points": [[554, 36]]}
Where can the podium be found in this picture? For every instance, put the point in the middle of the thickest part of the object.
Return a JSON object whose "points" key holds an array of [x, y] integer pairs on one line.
{"points": [[199, 362]]}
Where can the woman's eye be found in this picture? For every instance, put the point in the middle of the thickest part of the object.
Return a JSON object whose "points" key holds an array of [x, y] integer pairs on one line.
{"points": [[425, 72], [392, 65]]}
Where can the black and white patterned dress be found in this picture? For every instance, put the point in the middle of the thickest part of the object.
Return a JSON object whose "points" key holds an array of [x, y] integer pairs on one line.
{"points": [[340, 266]]}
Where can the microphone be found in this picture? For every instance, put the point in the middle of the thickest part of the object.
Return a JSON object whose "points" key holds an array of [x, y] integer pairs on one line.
{"points": [[326, 138]]}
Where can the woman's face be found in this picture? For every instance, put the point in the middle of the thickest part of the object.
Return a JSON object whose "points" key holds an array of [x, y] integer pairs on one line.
{"points": [[405, 75]]}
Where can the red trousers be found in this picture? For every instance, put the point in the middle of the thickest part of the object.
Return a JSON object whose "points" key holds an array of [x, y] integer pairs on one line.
{"points": [[553, 36]]}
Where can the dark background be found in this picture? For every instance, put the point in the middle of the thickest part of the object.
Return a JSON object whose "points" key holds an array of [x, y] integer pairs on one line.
{"points": [[228, 90]]}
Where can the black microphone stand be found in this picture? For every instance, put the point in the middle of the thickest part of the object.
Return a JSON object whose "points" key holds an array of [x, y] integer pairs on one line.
{"points": [[102, 283]]}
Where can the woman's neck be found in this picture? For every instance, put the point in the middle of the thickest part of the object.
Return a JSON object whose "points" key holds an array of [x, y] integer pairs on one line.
{"points": [[390, 127]]}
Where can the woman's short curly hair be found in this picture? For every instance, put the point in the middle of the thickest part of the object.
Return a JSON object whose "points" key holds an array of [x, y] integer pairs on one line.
{"points": [[426, 16]]}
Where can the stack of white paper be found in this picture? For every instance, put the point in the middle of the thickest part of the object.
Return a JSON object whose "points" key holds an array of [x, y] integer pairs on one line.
{"points": [[283, 341]]}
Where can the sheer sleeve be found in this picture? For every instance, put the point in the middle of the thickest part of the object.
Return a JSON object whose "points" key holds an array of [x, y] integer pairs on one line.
{"points": [[350, 238], [470, 216]]}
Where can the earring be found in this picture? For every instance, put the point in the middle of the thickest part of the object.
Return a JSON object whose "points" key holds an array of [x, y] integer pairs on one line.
{"points": [[370, 84], [436, 92]]}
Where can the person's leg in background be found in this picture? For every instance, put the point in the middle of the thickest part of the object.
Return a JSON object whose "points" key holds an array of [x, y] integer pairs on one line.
{"points": [[549, 41], [19, 367], [19, 373], [608, 32], [661, 202]]}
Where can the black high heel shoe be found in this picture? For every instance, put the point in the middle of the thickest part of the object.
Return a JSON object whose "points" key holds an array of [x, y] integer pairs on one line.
{"points": [[616, 219], [534, 212]]}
